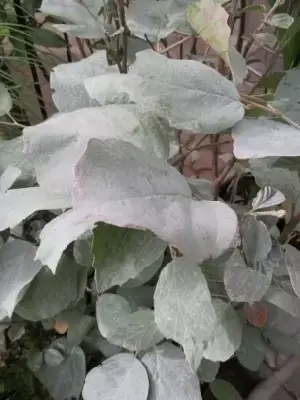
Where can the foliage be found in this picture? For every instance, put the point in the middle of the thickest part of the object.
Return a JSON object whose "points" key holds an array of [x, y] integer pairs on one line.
{"points": [[149, 279]]}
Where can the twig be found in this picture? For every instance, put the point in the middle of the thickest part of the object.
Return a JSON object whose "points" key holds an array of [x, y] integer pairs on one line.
{"points": [[231, 19], [218, 182], [148, 41], [172, 46], [81, 47], [215, 162], [189, 151], [242, 26], [68, 48], [121, 14]]}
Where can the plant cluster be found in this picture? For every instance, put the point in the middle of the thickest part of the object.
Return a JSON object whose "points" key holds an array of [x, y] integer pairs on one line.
{"points": [[153, 279]]}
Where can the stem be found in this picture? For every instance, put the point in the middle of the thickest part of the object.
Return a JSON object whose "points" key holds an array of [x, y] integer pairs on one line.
{"points": [[240, 40], [81, 47], [190, 150], [172, 46], [121, 13], [69, 56], [215, 165], [218, 182]]}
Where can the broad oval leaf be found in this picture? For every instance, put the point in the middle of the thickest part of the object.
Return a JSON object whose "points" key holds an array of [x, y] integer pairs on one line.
{"points": [[256, 240], [5, 100], [243, 283], [125, 326], [251, 353], [50, 293], [122, 254], [267, 197], [159, 201], [283, 300], [96, 342], [120, 377], [8, 178], [289, 88], [17, 269], [170, 375], [208, 370], [226, 337], [55, 146], [182, 303], [258, 138], [292, 259], [265, 39], [281, 20], [64, 380], [223, 390], [189, 94], [140, 296]]}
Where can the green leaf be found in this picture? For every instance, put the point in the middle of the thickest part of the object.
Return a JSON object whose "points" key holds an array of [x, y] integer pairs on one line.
{"points": [[267, 197], [182, 304], [243, 283], [257, 138], [56, 145], [226, 337], [17, 269], [202, 189], [67, 81], [5, 100], [95, 341], [281, 20], [9, 177], [223, 390], [79, 324], [48, 294], [256, 240], [170, 375], [283, 300], [141, 296], [82, 250], [95, 31], [292, 259], [289, 89], [64, 380], [286, 344], [122, 254], [149, 204], [45, 37], [251, 353], [145, 276], [237, 65], [120, 377], [265, 39], [208, 370], [125, 326], [176, 90], [18, 204]]}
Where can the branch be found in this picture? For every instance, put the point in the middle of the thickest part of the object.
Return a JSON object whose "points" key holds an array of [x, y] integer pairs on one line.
{"points": [[181, 41], [122, 19]]}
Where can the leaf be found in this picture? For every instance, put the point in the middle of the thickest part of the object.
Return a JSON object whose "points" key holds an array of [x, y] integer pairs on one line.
{"points": [[243, 283], [120, 377], [124, 326], [289, 88], [283, 300], [147, 274], [288, 345], [267, 197], [189, 94], [48, 294], [182, 303], [251, 353], [67, 81], [45, 37], [223, 390], [81, 14], [265, 39], [170, 375], [226, 337], [95, 341], [5, 100], [78, 324], [256, 314], [95, 31], [17, 269], [237, 64], [209, 20], [8, 178], [66, 379], [292, 259], [256, 240], [159, 192], [18, 204], [56, 145], [257, 138], [122, 254], [202, 189], [208, 370], [281, 20], [141, 296], [82, 250]]}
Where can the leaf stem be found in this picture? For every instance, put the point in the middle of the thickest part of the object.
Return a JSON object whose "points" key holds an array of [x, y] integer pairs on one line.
{"points": [[172, 46], [122, 19]]}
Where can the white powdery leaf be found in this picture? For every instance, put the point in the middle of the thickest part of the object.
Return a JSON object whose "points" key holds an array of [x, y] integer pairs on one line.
{"points": [[8, 178], [226, 338], [18, 204], [6, 102], [122, 254], [189, 94], [182, 303], [258, 138], [94, 31], [170, 375], [289, 89], [267, 197], [55, 146], [256, 240], [121, 377], [243, 283], [208, 370], [159, 201], [125, 326], [283, 300], [67, 81], [17, 270], [292, 260]]}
